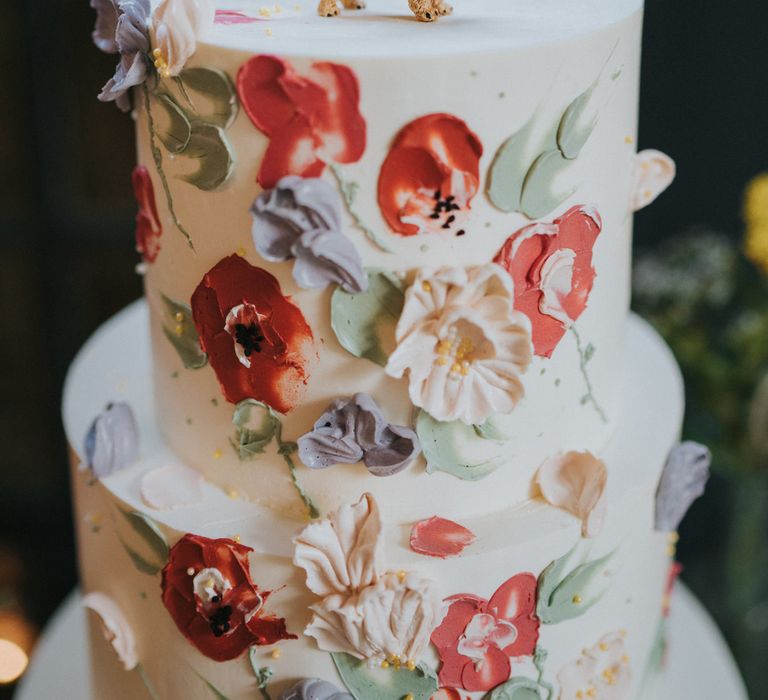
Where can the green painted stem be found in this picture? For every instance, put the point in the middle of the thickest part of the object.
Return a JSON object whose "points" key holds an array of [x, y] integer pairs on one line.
{"points": [[590, 395], [348, 193], [539, 659], [147, 683], [157, 156], [285, 450]]}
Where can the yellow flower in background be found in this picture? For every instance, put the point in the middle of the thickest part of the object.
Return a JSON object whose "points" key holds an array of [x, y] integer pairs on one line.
{"points": [[756, 218]]}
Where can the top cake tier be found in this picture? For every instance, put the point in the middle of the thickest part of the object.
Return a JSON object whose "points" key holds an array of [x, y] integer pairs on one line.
{"points": [[404, 246]]}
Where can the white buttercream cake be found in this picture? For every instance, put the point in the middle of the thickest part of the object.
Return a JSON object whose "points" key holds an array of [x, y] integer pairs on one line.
{"points": [[383, 426]]}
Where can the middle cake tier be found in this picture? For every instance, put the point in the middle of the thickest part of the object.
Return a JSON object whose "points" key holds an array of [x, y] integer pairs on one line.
{"points": [[450, 272]]}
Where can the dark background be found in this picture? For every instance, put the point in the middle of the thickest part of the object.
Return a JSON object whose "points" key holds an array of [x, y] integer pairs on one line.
{"points": [[67, 260]]}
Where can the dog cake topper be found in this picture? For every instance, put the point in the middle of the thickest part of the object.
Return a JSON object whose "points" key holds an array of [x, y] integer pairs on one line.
{"points": [[425, 10]]}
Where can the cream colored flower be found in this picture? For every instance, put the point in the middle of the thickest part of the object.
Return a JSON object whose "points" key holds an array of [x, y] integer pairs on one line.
{"points": [[117, 631], [600, 673], [462, 344], [177, 26], [654, 171], [343, 553], [576, 482], [390, 620]]}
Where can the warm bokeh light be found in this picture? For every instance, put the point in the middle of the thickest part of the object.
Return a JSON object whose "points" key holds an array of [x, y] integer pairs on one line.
{"points": [[13, 661]]}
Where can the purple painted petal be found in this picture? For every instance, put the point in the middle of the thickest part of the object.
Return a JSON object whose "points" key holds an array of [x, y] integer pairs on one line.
{"points": [[106, 25], [683, 480]]}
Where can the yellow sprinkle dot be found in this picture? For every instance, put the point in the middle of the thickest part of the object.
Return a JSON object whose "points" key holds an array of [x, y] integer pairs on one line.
{"points": [[408, 697], [603, 646], [577, 599], [233, 494], [385, 664], [157, 52], [237, 538], [217, 453], [179, 329], [179, 316], [277, 652], [629, 139], [240, 252], [426, 286], [265, 12], [411, 665], [268, 32], [673, 537], [401, 575], [625, 659]]}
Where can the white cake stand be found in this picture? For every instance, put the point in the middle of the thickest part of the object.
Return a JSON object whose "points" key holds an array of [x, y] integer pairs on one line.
{"points": [[700, 664]]}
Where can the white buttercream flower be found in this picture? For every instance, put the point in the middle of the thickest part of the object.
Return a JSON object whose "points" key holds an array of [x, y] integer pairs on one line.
{"points": [[390, 620], [177, 25], [600, 673], [462, 343], [343, 553], [117, 631]]}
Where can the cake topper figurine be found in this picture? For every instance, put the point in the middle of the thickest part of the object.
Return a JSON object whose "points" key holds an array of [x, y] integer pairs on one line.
{"points": [[425, 10]]}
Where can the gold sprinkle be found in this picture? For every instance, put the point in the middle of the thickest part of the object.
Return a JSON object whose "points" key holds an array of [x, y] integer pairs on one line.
{"points": [[237, 538], [603, 646], [217, 453], [233, 493], [240, 252], [265, 12], [577, 599], [629, 140], [426, 286], [625, 659], [268, 32], [673, 537], [277, 652], [179, 317], [156, 53], [385, 664], [411, 665], [401, 575], [179, 329], [409, 696]]}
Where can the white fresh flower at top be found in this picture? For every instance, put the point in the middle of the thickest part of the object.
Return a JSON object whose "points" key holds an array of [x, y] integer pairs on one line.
{"points": [[462, 343], [602, 672], [117, 631], [177, 25]]}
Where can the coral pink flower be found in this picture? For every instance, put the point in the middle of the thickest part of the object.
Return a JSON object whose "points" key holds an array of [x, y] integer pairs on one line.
{"points": [[430, 176], [551, 265], [310, 120], [478, 637], [148, 227]]}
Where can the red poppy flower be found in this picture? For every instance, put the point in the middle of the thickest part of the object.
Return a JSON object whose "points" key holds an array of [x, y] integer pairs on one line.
{"points": [[430, 176], [478, 637], [148, 227], [257, 340], [551, 265], [208, 590], [310, 120]]}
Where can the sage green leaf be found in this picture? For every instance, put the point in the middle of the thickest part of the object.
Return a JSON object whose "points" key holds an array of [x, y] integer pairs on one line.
{"points": [[366, 683], [490, 430], [210, 148], [142, 565], [517, 689], [457, 448], [566, 596], [181, 333], [364, 323], [173, 127], [540, 195], [577, 124], [552, 576], [212, 95], [148, 530], [256, 425], [509, 168]]}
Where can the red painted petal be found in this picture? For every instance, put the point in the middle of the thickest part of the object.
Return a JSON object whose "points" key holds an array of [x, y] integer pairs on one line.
{"points": [[233, 17], [446, 638], [268, 629], [438, 537], [514, 598], [291, 151], [148, 226], [493, 670], [446, 694], [279, 372], [261, 85]]}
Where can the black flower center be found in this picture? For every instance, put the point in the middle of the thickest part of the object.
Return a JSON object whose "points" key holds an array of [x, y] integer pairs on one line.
{"points": [[249, 338], [219, 621], [443, 210]]}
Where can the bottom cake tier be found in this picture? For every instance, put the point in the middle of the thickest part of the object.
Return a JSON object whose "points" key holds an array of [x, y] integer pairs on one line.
{"points": [[517, 603]]}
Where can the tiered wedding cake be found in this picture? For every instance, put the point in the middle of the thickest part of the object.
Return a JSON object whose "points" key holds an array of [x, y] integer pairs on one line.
{"points": [[395, 434]]}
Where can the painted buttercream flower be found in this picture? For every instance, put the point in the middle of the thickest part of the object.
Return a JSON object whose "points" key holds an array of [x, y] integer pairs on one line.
{"points": [[177, 26], [575, 482], [122, 27], [654, 172], [116, 629], [257, 340], [683, 480], [602, 672], [208, 591], [364, 612], [551, 265], [354, 430], [441, 538], [300, 219], [462, 344], [311, 120], [314, 689], [112, 441], [430, 176], [148, 226], [478, 637]]}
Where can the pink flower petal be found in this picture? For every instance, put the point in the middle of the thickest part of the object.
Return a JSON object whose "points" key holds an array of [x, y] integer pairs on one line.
{"points": [[438, 537]]}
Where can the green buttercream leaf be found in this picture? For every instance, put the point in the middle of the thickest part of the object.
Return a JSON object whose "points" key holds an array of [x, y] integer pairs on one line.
{"points": [[209, 147], [509, 168], [364, 323], [517, 689], [142, 565], [148, 530], [367, 683], [212, 95], [566, 592], [186, 343], [490, 430], [173, 127], [577, 124], [256, 425], [457, 448], [540, 194]]}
